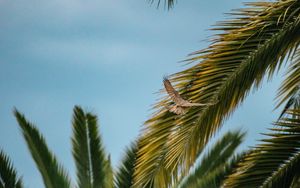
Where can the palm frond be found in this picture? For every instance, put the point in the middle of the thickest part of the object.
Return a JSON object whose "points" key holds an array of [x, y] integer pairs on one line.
{"points": [[167, 3], [215, 162], [252, 45], [8, 174], [275, 161], [296, 181], [53, 174], [109, 174], [124, 175], [290, 89], [216, 178], [88, 150]]}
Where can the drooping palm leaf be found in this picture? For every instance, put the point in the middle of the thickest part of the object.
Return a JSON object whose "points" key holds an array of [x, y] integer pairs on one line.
{"points": [[88, 151], [212, 169], [8, 174], [275, 162], [250, 46], [53, 174], [124, 175]]}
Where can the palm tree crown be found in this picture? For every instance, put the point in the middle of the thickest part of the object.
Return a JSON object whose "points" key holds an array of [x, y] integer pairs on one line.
{"points": [[93, 166]]}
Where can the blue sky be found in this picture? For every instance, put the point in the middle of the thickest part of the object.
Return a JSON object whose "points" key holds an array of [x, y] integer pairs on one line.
{"points": [[109, 57]]}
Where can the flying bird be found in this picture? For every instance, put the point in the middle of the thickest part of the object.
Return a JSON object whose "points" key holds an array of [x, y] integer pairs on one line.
{"points": [[181, 105]]}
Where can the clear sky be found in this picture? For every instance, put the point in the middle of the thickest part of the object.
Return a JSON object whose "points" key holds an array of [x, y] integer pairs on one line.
{"points": [[109, 56]]}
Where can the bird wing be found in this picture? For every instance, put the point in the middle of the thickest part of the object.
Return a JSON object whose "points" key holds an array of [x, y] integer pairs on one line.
{"points": [[173, 93]]}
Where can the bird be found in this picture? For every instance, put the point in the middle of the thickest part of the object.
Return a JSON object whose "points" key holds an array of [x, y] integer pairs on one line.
{"points": [[181, 105]]}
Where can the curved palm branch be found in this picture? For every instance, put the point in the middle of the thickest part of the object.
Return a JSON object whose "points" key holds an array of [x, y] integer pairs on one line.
{"points": [[93, 168], [215, 164], [53, 174], [276, 161], [8, 174], [250, 46], [124, 175]]}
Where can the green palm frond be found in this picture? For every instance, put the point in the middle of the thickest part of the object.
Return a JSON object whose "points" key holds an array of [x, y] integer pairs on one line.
{"points": [[296, 181], [250, 46], [124, 175], [167, 3], [8, 174], [109, 174], [290, 89], [212, 169], [216, 178], [276, 161], [53, 174], [88, 150]]}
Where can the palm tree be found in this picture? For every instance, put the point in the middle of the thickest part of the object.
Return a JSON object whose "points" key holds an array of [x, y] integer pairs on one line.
{"points": [[93, 166], [252, 45]]}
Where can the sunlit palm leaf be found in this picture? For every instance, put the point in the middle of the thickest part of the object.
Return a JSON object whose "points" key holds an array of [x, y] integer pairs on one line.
{"points": [[8, 174], [88, 152], [275, 162], [124, 175], [53, 174], [251, 46], [212, 169]]}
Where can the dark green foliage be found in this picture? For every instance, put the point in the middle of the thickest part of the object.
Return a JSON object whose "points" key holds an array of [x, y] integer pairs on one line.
{"points": [[216, 164], [88, 152], [94, 168], [8, 174], [167, 3], [276, 161], [53, 174], [124, 175], [290, 88]]}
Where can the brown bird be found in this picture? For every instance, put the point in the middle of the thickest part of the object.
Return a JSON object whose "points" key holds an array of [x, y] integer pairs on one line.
{"points": [[181, 105]]}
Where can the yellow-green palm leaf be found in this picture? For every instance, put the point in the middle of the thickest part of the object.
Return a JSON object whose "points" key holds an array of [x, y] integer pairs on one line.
{"points": [[251, 45]]}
